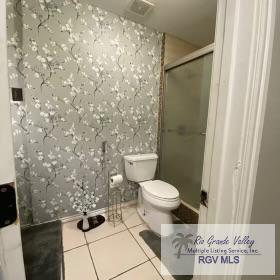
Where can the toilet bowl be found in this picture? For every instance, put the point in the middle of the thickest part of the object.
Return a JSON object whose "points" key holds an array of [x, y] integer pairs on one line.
{"points": [[156, 198]]}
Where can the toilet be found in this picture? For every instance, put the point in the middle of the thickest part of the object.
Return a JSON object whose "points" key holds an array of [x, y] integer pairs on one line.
{"points": [[156, 198]]}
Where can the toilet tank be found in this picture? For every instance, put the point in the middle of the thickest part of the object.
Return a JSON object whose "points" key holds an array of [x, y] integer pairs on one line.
{"points": [[140, 168]]}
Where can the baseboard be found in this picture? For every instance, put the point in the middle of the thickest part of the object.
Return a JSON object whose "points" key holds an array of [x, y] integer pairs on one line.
{"points": [[72, 218], [79, 216], [101, 211]]}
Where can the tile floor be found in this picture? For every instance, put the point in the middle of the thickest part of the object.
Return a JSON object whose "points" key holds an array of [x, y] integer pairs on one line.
{"points": [[109, 252]]}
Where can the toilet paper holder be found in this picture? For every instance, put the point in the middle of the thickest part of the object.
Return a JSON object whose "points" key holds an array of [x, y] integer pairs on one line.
{"points": [[114, 201]]}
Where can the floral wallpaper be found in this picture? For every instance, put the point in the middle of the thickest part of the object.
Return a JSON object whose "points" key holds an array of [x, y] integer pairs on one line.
{"points": [[88, 76]]}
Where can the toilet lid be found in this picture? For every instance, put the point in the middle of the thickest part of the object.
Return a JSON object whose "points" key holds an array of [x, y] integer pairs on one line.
{"points": [[160, 189]]}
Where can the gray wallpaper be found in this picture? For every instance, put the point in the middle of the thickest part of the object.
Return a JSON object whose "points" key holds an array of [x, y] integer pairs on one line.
{"points": [[88, 76]]}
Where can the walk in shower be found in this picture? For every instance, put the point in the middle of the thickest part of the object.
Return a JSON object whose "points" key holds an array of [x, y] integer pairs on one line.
{"points": [[184, 123]]}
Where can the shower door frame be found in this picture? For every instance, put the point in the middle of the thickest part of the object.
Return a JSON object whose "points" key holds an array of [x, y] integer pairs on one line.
{"points": [[179, 62], [188, 58]]}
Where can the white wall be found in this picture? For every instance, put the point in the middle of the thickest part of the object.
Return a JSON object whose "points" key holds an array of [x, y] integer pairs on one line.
{"points": [[11, 259], [266, 204], [7, 171], [176, 48]]}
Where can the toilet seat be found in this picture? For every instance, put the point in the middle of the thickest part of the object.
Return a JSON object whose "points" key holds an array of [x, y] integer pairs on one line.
{"points": [[160, 190]]}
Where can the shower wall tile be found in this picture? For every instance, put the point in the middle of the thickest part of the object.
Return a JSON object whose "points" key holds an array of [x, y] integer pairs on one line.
{"points": [[87, 76]]}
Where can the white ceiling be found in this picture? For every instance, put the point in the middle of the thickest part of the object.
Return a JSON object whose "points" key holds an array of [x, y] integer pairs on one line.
{"points": [[190, 20]]}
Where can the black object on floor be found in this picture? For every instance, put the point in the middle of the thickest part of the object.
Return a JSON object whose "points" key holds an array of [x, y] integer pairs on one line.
{"points": [[8, 205], [94, 222], [43, 251], [154, 242]]}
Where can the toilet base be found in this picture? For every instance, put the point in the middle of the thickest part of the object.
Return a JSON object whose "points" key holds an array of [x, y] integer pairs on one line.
{"points": [[154, 216], [154, 221]]}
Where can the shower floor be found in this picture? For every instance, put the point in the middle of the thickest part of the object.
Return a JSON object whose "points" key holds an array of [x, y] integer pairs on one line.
{"points": [[109, 252]]}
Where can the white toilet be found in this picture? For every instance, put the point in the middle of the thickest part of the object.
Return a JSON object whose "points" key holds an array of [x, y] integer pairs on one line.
{"points": [[156, 199]]}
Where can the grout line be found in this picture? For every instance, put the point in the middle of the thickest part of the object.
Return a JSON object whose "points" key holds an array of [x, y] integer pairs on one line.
{"points": [[74, 248], [119, 273], [135, 225], [156, 268], [138, 244], [106, 236], [125, 229], [90, 242], [146, 254], [91, 259], [150, 259], [129, 269]]}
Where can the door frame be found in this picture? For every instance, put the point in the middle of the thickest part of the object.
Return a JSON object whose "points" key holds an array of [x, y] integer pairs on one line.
{"points": [[11, 256], [239, 87], [240, 76]]}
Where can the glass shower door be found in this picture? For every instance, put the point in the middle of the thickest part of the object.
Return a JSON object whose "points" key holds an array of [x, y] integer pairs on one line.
{"points": [[184, 127]]}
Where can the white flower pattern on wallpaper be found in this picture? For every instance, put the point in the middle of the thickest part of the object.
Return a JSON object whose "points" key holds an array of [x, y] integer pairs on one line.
{"points": [[88, 76]]}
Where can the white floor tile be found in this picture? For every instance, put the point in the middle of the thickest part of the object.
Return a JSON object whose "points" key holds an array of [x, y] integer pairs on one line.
{"points": [[135, 231], [157, 264], [145, 271], [104, 230], [131, 217], [78, 265], [72, 237], [116, 254]]}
